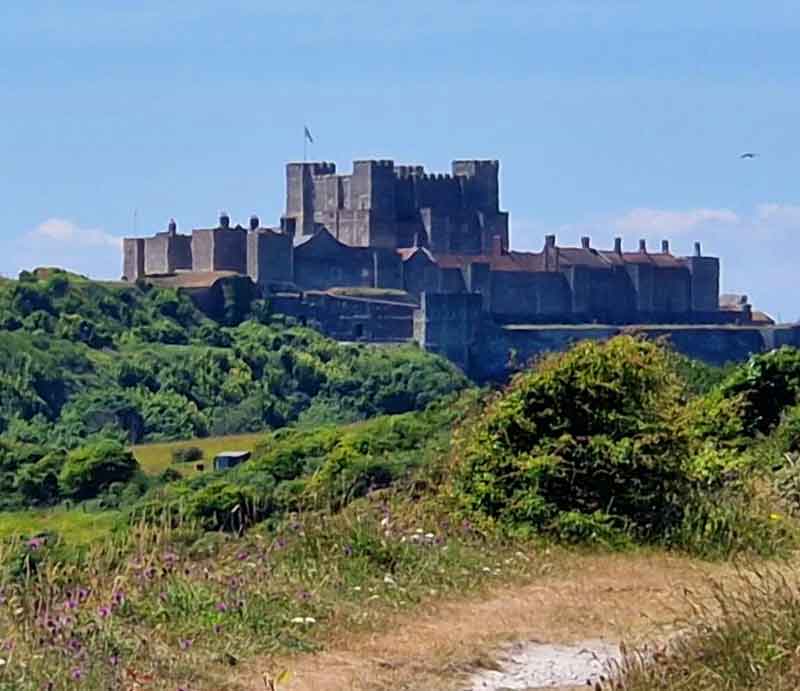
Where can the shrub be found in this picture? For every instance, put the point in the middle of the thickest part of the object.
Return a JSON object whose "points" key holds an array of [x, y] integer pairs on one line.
{"points": [[187, 454], [766, 385], [593, 441], [89, 470]]}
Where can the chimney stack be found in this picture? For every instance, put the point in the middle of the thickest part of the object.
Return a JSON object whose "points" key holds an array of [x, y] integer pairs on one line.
{"points": [[586, 242], [697, 252], [550, 241], [665, 246], [497, 245], [643, 245], [618, 245], [254, 222]]}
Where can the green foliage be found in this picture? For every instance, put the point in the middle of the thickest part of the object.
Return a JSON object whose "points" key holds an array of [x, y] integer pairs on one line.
{"points": [[766, 385], [89, 470], [88, 360], [591, 444], [186, 454]]}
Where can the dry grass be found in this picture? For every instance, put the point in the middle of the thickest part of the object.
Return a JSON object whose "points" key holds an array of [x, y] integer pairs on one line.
{"points": [[575, 597], [155, 458]]}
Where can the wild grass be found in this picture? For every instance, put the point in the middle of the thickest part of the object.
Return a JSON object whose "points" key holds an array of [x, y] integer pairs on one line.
{"points": [[76, 525], [746, 637], [171, 607]]}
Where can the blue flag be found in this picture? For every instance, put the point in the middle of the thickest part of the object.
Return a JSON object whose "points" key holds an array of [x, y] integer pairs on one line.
{"points": [[308, 135]]}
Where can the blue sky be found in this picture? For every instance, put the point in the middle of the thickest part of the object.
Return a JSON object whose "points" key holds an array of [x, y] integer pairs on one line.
{"points": [[609, 118]]}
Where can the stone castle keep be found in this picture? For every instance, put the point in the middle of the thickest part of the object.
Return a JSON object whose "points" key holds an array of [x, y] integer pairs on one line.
{"points": [[392, 252], [397, 227]]}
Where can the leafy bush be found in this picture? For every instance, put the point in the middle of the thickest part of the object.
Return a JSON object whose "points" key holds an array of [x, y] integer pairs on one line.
{"points": [[591, 442], [186, 454], [766, 385], [89, 470]]}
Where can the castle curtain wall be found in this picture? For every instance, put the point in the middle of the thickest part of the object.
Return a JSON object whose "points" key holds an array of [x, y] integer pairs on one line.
{"points": [[523, 296]]}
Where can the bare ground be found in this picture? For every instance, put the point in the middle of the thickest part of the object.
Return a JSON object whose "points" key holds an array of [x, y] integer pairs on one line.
{"points": [[623, 597]]}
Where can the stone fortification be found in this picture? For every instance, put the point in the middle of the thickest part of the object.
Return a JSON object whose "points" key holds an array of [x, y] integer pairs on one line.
{"points": [[443, 241]]}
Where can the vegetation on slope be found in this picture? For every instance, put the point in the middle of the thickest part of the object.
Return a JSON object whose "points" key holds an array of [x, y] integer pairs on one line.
{"points": [[83, 362]]}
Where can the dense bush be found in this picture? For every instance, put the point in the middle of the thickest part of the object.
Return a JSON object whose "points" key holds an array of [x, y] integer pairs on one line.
{"points": [[90, 470], [187, 454], [593, 442], [766, 385]]}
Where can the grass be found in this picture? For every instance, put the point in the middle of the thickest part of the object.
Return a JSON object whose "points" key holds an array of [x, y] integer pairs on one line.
{"points": [[78, 527], [181, 608], [155, 458], [747, 637]]}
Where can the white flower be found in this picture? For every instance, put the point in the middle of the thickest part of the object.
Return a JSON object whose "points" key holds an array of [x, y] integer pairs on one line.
{"points": [[304, 620], [389, 580]]}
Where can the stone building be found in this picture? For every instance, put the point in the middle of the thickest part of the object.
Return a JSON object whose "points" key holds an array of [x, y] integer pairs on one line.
{"points": [[387, 227]]}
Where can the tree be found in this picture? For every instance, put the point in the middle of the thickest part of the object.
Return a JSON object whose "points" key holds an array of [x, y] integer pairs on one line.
{"points": [[89, 470]]}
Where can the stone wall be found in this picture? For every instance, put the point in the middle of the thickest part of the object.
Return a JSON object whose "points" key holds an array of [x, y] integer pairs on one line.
{"points": [[448, 324], [133, 256]]}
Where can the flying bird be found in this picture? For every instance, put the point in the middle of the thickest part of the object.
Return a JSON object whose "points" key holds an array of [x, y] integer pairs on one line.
{"points": [[748, 155]]}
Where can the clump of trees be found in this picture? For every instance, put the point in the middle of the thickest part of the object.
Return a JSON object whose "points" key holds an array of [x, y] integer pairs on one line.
{"points": [[140, 363]]}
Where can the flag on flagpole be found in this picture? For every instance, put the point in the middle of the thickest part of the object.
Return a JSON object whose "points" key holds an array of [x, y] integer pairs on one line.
{"points": [[309, 138]]}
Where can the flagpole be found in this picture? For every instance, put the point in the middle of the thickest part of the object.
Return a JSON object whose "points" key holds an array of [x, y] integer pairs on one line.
{"points": [[305, 145]]}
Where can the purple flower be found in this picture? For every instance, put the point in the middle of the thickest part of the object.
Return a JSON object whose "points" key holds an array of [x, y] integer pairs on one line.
{"points": [[104, 612], [118, 597], [35, 543], [70, 604], [113, 660], [83, 593], [77, 674], [185, 643], [241, 556], [222, 607]]}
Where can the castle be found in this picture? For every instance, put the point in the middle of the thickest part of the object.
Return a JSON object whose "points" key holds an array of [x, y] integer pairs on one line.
{"points": [[392, 227]]}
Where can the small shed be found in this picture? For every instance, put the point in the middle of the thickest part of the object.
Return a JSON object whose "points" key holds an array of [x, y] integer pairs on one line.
{"points": [[230, 459]]}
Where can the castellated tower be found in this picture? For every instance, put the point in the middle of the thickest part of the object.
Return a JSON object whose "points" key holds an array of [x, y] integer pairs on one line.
{"points": [[382, 205]]}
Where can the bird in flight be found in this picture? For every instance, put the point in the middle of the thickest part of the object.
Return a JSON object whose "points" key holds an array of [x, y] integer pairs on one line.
{"points": [[748, 155]]}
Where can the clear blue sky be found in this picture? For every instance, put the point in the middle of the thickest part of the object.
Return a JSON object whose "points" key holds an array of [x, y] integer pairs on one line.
{"points": [[608, 117]]}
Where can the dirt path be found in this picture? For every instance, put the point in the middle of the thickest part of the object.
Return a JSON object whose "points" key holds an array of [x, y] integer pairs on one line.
{"points": [[602, 597]]}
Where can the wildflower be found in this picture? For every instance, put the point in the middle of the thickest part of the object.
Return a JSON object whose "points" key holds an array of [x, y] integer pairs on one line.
{"points": [[185, 643], [77, 674], [118, 598], [389, 580], [113, 660], [222, 607], [35, 543], [104, 612], [241, 556], [83, 593], [70, 604], [304, 620]]}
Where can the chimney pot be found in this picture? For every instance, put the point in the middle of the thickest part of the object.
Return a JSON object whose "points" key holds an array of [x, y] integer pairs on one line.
{"points": [[172, 227], [586, 242], [643, 245], [254, 222], [549, 240], [224, 220], [618, 245], [665, 246], [697, 250]]}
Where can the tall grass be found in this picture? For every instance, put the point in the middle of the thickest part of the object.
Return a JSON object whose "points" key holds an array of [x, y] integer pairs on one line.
{"points": [[168, 606], [746, 636]]}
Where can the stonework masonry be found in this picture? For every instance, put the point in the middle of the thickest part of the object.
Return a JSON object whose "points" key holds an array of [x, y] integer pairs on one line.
{"points": [[442, 241]]}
